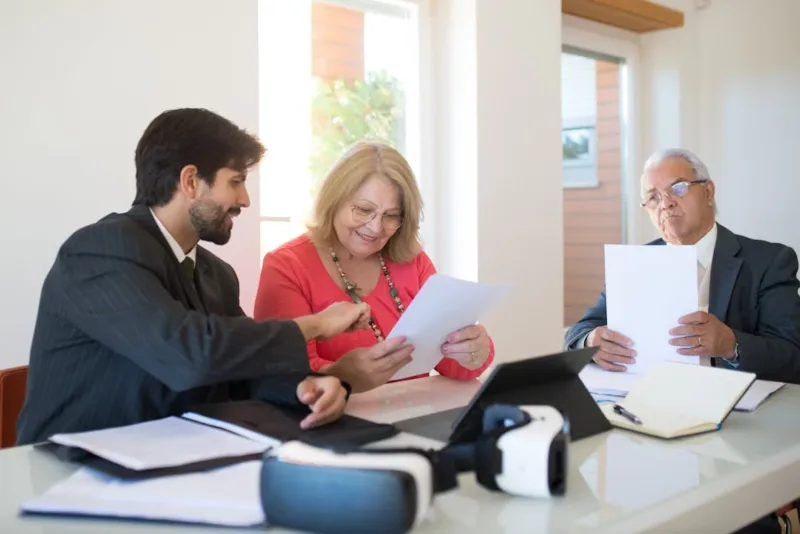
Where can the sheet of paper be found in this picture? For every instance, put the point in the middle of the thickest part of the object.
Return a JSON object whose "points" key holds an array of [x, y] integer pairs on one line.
{"points": [[230, 427], [228, 496], [167, 442], [647, 289], [757, 394], [600, 382], [442, 306]]}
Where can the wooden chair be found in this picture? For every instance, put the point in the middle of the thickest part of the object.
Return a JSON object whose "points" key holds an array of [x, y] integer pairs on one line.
{"points": [[13, 383]]}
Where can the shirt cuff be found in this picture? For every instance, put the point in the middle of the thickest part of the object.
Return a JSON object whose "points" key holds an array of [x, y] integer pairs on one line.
{"points": [[581, 343]]}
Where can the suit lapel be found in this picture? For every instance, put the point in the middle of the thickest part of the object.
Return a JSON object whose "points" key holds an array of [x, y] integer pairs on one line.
{"points": [[209, 288], [142, 215], [724, 271]]}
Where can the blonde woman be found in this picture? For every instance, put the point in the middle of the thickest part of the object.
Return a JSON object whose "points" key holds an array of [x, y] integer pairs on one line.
{"points": [[363, 246]]}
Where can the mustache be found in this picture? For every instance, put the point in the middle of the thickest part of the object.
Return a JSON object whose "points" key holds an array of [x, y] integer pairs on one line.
{"points": [[235, 211]]}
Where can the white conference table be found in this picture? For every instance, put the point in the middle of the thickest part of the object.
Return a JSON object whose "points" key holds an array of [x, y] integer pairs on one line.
{"points": [[618, 481]]}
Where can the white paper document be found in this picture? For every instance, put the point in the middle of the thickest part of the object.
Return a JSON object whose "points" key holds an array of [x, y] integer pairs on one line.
{"points": [[757, 394], [228, 496], [601, 382], [167, 442], [442, 306], [648, 288]]}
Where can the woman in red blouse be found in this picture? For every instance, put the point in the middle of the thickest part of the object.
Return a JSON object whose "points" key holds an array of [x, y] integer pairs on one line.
{"points": [[363, 245]]}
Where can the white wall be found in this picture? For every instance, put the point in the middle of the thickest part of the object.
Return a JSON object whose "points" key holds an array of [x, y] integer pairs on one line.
{"points": [[80, 81], [727, 86], [499, 198]]}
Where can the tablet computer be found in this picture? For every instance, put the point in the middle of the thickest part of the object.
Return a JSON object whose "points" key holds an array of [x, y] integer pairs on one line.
{"points": [[550, 380]]}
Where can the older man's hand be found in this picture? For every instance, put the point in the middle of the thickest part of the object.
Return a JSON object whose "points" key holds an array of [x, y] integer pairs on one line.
{"points": [[702, 334], [614, 349]]}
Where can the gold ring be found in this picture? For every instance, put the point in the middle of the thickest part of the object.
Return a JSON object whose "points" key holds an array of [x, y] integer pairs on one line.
{"points": [[699, 342]]}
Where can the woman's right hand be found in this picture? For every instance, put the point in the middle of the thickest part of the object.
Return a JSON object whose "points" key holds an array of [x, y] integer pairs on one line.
{"points": [[369, 367]]}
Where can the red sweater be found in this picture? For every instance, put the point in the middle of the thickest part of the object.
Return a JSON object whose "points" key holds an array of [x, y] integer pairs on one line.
{"points": [[294, 282]]}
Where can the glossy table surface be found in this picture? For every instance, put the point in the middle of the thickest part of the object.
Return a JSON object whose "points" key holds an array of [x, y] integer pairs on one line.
{"points": [[618, 481]]}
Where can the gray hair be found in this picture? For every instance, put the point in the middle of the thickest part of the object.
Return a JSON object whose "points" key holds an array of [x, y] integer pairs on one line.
{"points": [[698, 167]]}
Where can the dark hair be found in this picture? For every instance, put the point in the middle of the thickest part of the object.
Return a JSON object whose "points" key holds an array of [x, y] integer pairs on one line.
{"points": [[189, 136]]}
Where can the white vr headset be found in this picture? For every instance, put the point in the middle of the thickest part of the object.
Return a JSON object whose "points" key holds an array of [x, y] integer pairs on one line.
{"points": [[522, 451]]}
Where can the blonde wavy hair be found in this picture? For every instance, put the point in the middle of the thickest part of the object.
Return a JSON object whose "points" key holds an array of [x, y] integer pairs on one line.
{"points": [[360, 162]]}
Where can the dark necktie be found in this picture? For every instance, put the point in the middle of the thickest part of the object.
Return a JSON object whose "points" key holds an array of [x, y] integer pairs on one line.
{"points": [[187, 272]]}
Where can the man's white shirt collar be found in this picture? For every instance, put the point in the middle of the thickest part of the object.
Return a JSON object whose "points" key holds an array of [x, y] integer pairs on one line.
{"points": [[705, 247], [173, 244]]}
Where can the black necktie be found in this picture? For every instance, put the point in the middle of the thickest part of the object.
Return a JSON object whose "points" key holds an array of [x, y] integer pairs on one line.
{"points": [[187, 272]]}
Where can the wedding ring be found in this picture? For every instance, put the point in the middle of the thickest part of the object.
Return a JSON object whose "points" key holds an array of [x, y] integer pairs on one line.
{"points": [[699, 341]]}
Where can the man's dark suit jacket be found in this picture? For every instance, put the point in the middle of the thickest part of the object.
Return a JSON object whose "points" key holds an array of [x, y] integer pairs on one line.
{"points": [[120, 338], [754, 290]]}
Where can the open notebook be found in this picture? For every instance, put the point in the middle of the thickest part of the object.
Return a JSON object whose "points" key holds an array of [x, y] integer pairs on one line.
{"points": [[679, 399]]}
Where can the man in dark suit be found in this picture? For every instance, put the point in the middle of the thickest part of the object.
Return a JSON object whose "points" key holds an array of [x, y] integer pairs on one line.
{"points": [[137, 322], [749, 315]]}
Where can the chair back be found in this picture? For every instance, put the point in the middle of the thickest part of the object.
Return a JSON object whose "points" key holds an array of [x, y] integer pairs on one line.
{"points": [[13, 383]]}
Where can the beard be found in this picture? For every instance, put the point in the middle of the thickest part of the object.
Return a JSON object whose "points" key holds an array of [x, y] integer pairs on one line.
{"points": [[211, 221]]}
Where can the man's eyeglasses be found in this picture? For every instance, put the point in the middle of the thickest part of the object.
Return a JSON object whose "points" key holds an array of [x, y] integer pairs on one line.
{"points": [[363, 215], [676, 190]]}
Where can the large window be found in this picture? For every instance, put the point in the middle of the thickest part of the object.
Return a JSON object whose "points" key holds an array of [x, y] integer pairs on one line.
{"points": [[331, 73]]}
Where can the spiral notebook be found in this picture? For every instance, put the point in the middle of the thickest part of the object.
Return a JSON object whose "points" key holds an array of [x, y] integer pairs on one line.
{"points": [[677, 399]]}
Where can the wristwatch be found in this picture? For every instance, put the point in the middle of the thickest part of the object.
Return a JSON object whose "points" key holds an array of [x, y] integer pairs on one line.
{"points": [[735, 358]]}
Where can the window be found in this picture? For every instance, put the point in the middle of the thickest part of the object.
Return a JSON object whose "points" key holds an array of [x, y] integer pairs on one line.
{"points": [[578, 120], [332, 72]]}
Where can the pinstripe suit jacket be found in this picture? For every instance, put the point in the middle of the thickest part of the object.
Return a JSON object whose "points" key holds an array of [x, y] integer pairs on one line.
{"points": [[120, 339]]}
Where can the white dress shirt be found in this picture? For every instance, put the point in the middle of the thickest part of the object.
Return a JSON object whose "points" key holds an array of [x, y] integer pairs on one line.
{"points": [[705, 255], [173, 243]]}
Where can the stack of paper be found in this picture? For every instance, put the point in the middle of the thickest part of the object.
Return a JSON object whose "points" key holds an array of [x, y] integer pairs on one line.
{"points": [[228, 496], [167, 442], [612, 384]]}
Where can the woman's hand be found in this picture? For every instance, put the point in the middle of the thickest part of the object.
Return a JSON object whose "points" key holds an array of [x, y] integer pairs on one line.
{"points": [[469, 346]]}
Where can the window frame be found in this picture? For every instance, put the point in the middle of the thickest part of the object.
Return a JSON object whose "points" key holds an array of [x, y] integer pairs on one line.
{"points": [[418, 105]]}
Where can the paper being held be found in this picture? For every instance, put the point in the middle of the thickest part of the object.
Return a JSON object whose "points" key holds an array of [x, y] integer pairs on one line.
{"points": [[442, 306], [648, 288]]}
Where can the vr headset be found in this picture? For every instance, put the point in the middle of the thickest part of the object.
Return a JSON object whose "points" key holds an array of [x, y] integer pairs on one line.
{"points": [[522, 451]]}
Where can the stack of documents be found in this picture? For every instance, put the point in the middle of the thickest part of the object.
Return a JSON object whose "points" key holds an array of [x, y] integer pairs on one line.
{"points": [[162, 443], [600, 382], [228, 496], [183, 479], [443, 306]]}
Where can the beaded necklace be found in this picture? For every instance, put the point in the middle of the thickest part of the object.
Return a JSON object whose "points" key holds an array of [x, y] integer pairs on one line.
{"points": [[352, 290]]}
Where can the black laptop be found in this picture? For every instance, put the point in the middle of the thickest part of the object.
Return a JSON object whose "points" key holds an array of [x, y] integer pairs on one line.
{"points": [[550, 380]]}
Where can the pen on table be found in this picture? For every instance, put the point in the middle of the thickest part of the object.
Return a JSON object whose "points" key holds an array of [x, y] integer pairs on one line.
{"points": [[627, 415]]}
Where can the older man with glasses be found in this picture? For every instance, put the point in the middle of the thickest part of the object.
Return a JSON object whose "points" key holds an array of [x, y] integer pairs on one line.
{"points": [[749, 309]]}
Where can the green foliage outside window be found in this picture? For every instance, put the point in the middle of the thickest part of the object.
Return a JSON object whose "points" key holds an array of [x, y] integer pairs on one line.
{"points": [[344, 112]]}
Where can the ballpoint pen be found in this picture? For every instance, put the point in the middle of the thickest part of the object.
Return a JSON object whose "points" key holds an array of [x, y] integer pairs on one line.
{"points": [[627, 415]]}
